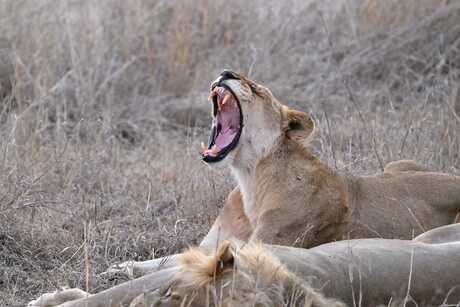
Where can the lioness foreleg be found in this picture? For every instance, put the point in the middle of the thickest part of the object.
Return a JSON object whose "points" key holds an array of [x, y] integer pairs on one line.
{"points": [[232, 222], [59, 297], [135, 269]]}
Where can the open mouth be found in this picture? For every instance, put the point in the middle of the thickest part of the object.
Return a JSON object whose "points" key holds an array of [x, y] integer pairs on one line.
{"points": [[226, 125]]}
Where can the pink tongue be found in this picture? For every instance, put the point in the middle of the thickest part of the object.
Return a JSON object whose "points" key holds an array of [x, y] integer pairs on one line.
{"points": [[224, 139], [228, 118]]}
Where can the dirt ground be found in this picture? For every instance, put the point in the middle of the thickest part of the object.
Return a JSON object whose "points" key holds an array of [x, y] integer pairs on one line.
{"points": [[103, 109]]}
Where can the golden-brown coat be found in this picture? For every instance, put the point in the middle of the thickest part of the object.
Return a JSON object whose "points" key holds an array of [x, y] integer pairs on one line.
{"points": [[287, 196]]}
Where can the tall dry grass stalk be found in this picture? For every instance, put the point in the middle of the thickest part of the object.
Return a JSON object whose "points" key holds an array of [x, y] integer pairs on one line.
{"points": [[106, 108]]}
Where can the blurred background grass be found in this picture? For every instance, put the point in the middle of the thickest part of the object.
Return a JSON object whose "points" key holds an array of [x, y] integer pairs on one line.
{"points": [[103, 108]]}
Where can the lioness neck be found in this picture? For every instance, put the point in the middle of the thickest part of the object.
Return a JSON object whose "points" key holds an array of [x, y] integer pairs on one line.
{"points": [[245, 176], [273, 168], [245, 179], [244, 169]]}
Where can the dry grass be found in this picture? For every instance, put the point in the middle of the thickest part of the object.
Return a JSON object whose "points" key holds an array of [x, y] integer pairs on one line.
{"points": [[102, 128]]}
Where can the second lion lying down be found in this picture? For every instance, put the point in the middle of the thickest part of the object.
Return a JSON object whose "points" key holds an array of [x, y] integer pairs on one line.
{"points": [[360, 272], [365, 272]]}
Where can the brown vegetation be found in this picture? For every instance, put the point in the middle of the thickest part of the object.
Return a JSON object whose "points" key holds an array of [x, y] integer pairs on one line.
{"points": [[100, 134]]}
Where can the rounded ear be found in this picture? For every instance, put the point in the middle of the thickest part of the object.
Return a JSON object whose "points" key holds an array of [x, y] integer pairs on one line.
{"points": [[224, 257], [297, 125], [223, 252]]}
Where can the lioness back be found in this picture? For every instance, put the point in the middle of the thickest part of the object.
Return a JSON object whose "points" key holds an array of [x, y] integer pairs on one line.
{"points": [[396, 203]]}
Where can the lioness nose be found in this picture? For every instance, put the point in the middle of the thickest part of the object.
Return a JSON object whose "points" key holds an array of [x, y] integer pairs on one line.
{"points": [[227, 75]]}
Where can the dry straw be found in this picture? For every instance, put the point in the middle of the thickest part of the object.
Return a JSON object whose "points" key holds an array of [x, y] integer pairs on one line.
{"points": [[105, 108]]}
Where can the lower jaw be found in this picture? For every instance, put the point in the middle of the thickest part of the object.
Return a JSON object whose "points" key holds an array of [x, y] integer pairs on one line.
{"points": [[218, 157]]}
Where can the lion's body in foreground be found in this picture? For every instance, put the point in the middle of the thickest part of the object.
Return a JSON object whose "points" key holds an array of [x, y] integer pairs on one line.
{"points": [[365, 272], [360, 272]]}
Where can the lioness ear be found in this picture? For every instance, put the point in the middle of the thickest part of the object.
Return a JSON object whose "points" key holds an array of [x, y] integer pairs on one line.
{"points": [[224, 258], [296, 124], [224, 252]]}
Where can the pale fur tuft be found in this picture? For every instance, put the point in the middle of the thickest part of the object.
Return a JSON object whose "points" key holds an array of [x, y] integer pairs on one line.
{"points": [[199, 268]]}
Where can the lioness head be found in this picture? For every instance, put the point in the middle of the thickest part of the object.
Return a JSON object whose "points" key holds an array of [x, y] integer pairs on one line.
{"points": [[248, 122]]}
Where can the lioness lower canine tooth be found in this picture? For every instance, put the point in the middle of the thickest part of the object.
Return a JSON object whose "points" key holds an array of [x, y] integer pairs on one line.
{"points": [[214, 150], [226, 98], [203, 147]]}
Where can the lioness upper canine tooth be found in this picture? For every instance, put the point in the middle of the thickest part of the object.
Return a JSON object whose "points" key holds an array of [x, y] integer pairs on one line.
{"points": [[212, 95], [226, 98], [214, 150], [203, 147]]}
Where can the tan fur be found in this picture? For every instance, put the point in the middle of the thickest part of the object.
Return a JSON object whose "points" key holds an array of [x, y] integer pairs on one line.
{"points": [[290, 197], [405, 166], [199, 269]]}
